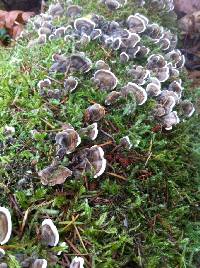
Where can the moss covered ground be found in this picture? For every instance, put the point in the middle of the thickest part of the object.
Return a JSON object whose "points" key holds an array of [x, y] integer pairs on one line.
{"points": [[143, 211]]}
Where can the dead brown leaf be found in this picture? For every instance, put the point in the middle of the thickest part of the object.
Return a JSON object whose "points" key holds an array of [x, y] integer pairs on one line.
{"points": [[14, 21]]}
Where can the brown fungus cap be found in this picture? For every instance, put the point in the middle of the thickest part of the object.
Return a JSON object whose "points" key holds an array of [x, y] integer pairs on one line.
{"points": [[105, 79], [138, 92], [84, 25], [54, 174], [68, 139], [74, 11], [112, 97], [49, 233], [136, 24], [5, 225], [94, 113], [39, 263]]}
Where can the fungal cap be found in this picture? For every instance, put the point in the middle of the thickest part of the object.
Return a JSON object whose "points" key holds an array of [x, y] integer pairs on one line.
{"points": [[94, 131], [44, 83], [68, 139], [170, 119], [96, 33], [81, 23], [155, 80], [101, 161], [125, 141], [42, 39], [138, 91], [71, 83], [163, 74], [135, 22], [60, 32], [91, 131], [54, 230], [105, 79], [74, 10], [100, 64], [77, 262], [53, 175], [188, 108], [124, 57], [94, 113], [2, 253], [39, 263], [112, 97], [5, 226], [145, 19], [153, 89], [117, 43], [112, 4]]}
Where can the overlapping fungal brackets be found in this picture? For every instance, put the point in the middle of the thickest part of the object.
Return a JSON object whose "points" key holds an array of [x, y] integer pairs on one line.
{"points": [[43, 23], [89, 29], [114, 4], [90, 160], [145, 81], [157, 5]]}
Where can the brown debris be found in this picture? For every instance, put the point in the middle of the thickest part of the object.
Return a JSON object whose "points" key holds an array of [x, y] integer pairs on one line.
{"points": [[13, 21]]}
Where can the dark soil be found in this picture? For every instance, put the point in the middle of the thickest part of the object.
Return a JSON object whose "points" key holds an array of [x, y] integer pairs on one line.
{"points": [[25, 5]]}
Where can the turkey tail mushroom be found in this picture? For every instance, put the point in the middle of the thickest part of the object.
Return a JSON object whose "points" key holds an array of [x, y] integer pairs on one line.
{"points": [[90, 131], [77, 262], [105, 79], [49, 233], [39, 263], [94, 113], [138, 92], [5, 225]]}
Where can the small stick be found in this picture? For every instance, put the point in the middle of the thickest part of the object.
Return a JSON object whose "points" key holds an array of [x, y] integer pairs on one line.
{"points": [[54, 79], [86, 182], [79, 236], [117, 176], [24, 222], [49, 124], [71, 254], [77, 251], [108, 135], [42, 67], [149, 156], [71, 222], [105, 143], [149, 152]]}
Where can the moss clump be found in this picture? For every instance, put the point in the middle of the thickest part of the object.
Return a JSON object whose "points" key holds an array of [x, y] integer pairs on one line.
{"points": [[143, 212]]}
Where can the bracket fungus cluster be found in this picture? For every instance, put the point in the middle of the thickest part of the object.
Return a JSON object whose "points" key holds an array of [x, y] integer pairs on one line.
{"points": [[157, 5], [77, 62], [89, 160], [157, 79]]}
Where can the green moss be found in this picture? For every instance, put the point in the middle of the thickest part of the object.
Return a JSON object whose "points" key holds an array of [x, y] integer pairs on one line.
{"points": [[149, 220]]}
